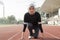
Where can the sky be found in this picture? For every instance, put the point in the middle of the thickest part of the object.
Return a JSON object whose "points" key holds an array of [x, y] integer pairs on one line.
{"points": [[18, 7]]}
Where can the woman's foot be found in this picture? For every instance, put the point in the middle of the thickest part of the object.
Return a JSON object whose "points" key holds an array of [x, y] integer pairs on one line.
{"points": [[35, 37], [30, 37]]}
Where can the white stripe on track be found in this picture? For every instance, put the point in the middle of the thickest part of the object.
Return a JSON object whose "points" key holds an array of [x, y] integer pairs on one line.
{"points": [[52, 35], [15, 35]]}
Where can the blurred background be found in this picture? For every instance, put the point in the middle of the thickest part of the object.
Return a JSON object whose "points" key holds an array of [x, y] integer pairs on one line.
{"points": [[12, 11]]}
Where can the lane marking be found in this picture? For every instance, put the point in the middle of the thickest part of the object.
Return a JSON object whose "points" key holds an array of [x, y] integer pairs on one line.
{"points": [[45, 32], [14, 35], [52, 35]]}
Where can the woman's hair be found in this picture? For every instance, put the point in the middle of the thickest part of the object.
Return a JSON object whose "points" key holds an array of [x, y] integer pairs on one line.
{"points": [[32, 5]]}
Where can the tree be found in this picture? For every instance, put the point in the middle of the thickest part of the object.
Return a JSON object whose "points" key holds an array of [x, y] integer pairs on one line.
{"points": [[11, 19], [3, 21], [19, 21]]}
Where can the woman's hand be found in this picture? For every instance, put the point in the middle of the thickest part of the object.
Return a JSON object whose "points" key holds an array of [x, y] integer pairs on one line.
{"points": [[22, 37], [42, 35]]}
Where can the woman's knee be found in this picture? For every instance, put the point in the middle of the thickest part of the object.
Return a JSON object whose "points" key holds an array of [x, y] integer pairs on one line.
{"points": [[30, 26]]}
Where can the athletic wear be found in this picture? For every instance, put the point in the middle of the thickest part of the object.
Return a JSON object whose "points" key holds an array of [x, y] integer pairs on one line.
{"points": [[33, 19], [32, 27]]}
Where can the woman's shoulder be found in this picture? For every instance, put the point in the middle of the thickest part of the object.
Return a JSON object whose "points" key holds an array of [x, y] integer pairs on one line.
{"points": [[26, 13], [37, 13]]}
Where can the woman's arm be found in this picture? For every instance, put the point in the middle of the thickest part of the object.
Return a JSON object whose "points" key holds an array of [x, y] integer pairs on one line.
{"points": [[40, 23], [25, 20]]}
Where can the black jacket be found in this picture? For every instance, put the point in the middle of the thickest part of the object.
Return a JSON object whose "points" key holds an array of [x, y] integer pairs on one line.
{"points": [[34, 19]]}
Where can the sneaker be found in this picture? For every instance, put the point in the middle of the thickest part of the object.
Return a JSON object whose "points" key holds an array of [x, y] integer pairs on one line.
{"points": [[35, 37], [30, 37]]}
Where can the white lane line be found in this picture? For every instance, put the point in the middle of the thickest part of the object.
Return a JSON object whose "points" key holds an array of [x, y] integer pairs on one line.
{"points": [[15, 35], [52, 35]]}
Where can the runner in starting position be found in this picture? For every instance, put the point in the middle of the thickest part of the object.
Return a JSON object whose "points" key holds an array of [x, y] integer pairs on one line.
{"points": [[33, 19]]}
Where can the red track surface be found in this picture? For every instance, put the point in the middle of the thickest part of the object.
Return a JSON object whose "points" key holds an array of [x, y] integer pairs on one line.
{"points": [[14, 32]]}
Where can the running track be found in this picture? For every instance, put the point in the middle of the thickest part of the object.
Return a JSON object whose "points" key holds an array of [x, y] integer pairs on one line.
{"points": [[14, 32]]}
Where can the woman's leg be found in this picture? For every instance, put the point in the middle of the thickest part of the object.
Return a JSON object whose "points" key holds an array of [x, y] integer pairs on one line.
{"points": [[30, 28], [36, 32]]}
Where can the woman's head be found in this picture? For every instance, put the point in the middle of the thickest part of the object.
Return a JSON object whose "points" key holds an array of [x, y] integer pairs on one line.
{"points": [[31, 9]]}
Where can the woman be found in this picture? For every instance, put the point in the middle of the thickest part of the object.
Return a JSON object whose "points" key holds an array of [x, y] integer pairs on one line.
{"points": [[33, 19]]}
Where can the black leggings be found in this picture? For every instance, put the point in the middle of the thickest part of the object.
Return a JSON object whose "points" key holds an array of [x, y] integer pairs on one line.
{"points": [[35, 28]]}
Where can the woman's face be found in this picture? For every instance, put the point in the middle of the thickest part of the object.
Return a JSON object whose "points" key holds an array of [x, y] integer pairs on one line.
{"points": [[31, 10]]}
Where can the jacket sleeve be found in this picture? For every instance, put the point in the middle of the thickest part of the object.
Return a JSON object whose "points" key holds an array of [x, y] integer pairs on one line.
{"points": [[40, 25], [25, 25]]}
